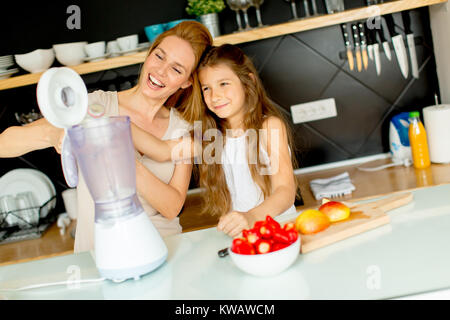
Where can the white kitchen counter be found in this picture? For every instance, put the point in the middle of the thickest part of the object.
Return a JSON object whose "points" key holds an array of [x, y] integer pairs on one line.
{"points": [[407, 257]]}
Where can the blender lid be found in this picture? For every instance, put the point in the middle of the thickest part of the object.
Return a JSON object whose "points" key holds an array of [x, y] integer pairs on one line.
{"points": [[62, 97]]}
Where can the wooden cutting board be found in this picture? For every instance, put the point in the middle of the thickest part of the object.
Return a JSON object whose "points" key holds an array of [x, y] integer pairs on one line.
{"points": [[363, 217]]}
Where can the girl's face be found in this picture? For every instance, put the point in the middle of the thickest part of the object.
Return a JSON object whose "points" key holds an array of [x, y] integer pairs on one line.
{"points": [[223, 92], [167, 68]]}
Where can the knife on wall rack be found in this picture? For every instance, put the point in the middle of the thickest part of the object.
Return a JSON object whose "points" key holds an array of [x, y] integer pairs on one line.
{"points": [[384, 43], [348, 47], [373, 49], [411, 44], [376, 53], [399, 46], [363, 41], [356, 43], [370, 43]]}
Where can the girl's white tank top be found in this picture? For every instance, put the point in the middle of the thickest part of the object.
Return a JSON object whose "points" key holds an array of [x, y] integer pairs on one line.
{"points": [[245, 193]]}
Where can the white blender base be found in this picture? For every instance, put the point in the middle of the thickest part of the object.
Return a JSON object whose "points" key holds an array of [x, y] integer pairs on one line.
{"points": [[128, 248]]}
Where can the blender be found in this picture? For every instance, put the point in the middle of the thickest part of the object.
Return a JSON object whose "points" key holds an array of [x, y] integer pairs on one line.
{"points": [[127, 245]]}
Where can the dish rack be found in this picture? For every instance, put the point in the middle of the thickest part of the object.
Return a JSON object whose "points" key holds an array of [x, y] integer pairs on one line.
{"points": [[27, 231]]}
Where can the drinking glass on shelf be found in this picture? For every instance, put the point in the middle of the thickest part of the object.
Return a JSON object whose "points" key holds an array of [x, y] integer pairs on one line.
{"points": [[244, 5], [257, 4], [234, 5], [334, 6], [293, 8], [306, 7], [314, 8]]}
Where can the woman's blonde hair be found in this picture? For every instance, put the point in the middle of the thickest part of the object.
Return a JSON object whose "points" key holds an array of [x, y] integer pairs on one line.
{"points": [[258, 107], [187, 101]]}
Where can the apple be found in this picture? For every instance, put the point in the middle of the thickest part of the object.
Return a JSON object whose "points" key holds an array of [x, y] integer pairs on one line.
{"points": [[336, 211], [311, 221]]}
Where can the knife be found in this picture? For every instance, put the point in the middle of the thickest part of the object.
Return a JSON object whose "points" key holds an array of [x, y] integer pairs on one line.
{"points": [[357, 48], [373, 48], [351, 62], [399, 46], [376, 53], [370, 42], [386, 47], [362, 37], [411, 44]]}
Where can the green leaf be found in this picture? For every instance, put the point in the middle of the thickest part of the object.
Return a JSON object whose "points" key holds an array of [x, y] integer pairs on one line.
{"points": [[201, 7]]}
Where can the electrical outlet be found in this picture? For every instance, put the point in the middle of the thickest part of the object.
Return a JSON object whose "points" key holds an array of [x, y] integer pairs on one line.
{"points": [[314, 110]]}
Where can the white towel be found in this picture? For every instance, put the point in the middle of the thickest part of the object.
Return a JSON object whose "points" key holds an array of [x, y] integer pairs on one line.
{"points": [[332, 187]]}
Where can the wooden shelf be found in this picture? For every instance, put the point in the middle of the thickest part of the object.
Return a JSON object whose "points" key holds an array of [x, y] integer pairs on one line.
{"points": [[245, 36]]}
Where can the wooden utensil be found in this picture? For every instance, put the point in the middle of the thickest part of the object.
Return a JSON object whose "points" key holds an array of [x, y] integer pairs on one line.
{"points": [[363, 217]]}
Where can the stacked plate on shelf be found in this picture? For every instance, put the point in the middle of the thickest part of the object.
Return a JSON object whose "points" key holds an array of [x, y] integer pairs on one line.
{"points": [[5, 63], [30, 180]]}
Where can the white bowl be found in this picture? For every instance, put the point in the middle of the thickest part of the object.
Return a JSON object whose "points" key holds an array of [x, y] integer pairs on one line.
{"points": [[267, 264], [95, 49], [70, 54], [112, 47], [128, 42], [36, 61]]}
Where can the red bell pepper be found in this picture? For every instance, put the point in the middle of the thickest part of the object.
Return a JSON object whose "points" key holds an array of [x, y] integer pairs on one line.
{"points": [[289, 226], [266, 231], [263, 246], [292, 235], [279, 246], [258, 224], [242, 246], [281, 236], [251, 235], [273, 223]]}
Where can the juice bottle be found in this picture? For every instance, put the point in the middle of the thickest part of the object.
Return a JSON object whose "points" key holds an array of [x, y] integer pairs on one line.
{"points": [[418, 141]]}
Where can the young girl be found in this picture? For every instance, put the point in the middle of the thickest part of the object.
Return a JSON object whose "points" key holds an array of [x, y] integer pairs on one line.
{"points": [[249, 175]]}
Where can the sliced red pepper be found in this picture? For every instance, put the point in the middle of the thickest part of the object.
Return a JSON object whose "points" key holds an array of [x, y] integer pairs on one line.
{"points": [[242, 246], [263, 246], [289, 226], [275, 225], [293, 235], [251, 235], [266, 231], [279, 246], [258, 224], [236, 243], [281, 236]]}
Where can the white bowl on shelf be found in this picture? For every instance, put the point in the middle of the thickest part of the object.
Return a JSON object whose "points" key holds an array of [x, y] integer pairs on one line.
{"points": [[95, 49], [128, 42], [267, 264], [36, 61], [70, 54]]}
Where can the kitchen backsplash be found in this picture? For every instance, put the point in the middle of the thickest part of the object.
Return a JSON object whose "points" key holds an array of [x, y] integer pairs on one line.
{"points": [[295, 68]]}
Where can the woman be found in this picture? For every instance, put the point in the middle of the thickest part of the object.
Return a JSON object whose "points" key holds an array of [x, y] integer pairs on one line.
{"points": [[167, 79]]}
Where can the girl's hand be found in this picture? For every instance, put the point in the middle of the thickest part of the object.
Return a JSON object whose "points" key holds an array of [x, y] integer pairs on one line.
{"points": [[234, 222]]}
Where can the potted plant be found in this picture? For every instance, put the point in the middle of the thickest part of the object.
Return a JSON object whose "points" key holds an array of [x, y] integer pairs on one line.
{"points": [[207, 11]]}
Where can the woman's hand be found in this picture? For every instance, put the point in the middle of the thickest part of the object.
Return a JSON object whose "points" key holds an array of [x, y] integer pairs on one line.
{"points": [[56, 140], [234, 222]]}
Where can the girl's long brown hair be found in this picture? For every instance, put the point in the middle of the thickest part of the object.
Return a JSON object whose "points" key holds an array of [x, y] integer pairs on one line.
{"points": [[258, 107], [188, 101]]}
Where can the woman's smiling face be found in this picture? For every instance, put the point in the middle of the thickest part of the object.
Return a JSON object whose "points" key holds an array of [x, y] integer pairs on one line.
{"points": [[167, 68]]}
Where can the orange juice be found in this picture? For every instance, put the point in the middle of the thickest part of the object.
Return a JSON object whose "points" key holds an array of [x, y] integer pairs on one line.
{"points": [[418, 142]]}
